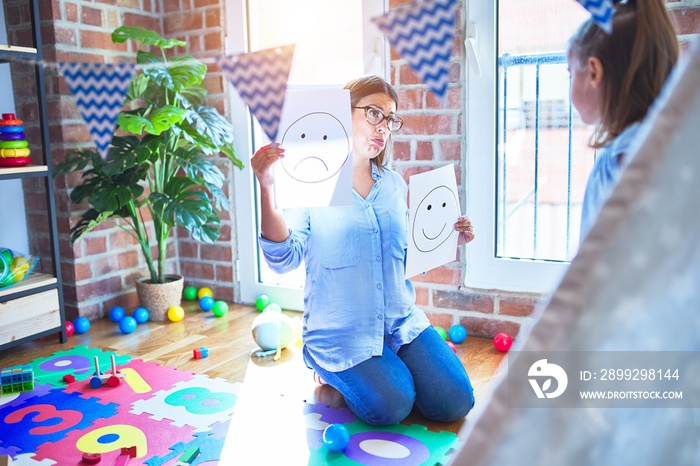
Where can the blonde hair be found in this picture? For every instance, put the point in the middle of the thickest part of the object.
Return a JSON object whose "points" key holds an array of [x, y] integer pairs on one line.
{"points": [[637, 58], [367, 85]]}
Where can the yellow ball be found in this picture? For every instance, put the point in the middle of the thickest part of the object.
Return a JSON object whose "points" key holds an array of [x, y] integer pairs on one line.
{"points": [[176, 313], [204, 291]]}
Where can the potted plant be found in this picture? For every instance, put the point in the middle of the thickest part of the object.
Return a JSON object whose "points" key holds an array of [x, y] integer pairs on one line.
{"points": [[159, 166]]}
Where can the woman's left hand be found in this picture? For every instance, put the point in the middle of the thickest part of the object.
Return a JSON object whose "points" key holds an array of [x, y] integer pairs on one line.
{"points": [[465, 229]]}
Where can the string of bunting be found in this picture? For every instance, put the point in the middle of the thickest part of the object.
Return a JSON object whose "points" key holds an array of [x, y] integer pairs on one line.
{"points": [[422, 32], [601, 11]]}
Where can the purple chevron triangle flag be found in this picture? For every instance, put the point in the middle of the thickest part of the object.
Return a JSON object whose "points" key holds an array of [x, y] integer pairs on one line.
{"points": [[423, 33], [99, 90], [601, 11], [261, 80]]}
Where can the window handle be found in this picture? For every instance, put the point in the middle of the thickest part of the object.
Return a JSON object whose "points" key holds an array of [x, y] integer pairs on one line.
{"points": [[471, 44]]}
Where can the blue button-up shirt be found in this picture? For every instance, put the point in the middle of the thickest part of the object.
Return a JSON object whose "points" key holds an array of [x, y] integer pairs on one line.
{"points": [[355, 295]]}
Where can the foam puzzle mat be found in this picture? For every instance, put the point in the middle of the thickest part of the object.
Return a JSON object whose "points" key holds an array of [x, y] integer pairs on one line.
{"points": [[164, 412]]}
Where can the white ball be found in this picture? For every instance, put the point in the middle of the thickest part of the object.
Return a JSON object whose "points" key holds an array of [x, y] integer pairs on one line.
{"points": [[272, 330]]}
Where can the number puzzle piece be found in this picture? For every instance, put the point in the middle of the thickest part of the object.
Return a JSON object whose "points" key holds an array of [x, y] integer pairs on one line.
{"points": [[77, 361], [199, 402]]}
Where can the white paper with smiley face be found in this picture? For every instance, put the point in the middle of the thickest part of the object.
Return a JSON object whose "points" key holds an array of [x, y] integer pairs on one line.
{"points": [[434, 209], [316, 134]]}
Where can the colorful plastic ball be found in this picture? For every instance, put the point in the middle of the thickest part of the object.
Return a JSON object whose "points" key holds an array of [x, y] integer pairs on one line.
{"points": [[452, 346], [457, 333], [189, 293], [272, 307], [127, 324], [140, 314], [69, 328], [220, 308], [441, 331], [262, 302], [176, 313], [336, 437], [502, 341], [81, 325], [206, 303], [204, 291], [272, 330], [116, 313]]}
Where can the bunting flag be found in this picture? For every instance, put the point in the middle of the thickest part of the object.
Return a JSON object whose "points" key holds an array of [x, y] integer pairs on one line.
{"points": [[423, 33], [99, 89], [601, 11], [261, 80]]}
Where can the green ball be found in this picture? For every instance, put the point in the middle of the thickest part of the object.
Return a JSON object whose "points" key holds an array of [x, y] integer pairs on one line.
{"points": [[262, 302], [220, 308], [442, 332], [190, 293]]}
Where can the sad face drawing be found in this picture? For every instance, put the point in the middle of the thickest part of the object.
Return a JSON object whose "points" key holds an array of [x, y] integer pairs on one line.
{"points": [[433, 221], [316, 147]]}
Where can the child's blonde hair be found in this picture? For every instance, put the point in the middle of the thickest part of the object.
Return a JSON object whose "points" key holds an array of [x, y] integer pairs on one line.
{"points": [[637, 58]]}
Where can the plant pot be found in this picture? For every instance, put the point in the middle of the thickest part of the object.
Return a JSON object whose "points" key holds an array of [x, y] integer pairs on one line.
{"points": [[159, 297]]}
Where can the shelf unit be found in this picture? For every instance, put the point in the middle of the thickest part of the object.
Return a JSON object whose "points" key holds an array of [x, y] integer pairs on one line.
{"points": [[34, 307]]}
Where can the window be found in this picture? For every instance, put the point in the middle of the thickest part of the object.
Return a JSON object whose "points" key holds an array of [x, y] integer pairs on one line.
{"points": [[350, 46], [527, 150]]}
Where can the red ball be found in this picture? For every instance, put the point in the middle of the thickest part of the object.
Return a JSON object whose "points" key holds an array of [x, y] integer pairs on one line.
{"points": [[452, 345], [502, 341], [69, 328]]}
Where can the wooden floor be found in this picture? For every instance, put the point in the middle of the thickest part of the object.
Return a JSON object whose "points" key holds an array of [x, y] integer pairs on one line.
{"points": [[232, 353]]}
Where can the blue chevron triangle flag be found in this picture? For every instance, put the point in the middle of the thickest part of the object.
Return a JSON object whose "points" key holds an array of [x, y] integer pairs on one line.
{"points": [[601, 11], [99, 89], [423, 32], [261, 80]]}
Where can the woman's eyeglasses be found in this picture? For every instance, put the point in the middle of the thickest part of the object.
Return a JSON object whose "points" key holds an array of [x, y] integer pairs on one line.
{"points": [[374, 116]]}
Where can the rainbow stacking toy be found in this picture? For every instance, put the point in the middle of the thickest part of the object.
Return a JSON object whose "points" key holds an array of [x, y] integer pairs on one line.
{"points": [[14, 148]]}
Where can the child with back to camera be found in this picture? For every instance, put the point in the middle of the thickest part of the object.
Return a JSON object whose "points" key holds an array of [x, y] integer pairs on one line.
{"points": [[363, 333], [614, 80]]}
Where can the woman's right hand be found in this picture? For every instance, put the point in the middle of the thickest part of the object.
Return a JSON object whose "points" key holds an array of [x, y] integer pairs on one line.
{"points": [[262, 163]]}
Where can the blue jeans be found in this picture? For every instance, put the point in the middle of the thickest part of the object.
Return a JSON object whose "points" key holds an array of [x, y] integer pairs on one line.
{"points": [[384, 389]]}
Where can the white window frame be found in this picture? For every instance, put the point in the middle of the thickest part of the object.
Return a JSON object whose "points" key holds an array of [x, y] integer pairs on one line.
{"points": [[484, 270], [246, 270]]}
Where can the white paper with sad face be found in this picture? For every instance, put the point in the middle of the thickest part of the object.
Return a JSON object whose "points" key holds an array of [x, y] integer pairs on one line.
{"points": [[434, 209], [316, 134]]}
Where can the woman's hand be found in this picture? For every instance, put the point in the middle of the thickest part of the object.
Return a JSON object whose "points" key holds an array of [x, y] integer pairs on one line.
{"points": [[262, 162], [465, 229]]}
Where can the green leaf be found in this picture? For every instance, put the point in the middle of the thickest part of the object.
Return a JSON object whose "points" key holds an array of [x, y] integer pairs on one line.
{"points": [[207, 233], [75, 162], [207, 122], [146, 37], [88, 222], [165, 117]]}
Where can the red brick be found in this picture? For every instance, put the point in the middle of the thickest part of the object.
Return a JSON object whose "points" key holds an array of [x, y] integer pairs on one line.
{"points": [[686, 20], [422, 294], [444, 275], [182, 21], [197, 270], [213, 18], [128, 259], [488, 328], [98, 288], [98, 40], [440, 319], [148, 22], [223, 273], [72, 12], [95, 244], [91, 16], [428, 124], [464, 301], [512, 306], [408, 76], [171, 5], [410, 99], [424, 150], [452, 101], [216, 252], [450, 149], [401, 150]]}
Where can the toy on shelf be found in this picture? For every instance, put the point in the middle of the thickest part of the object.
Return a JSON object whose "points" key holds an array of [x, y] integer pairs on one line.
{"points": [[200, 353], [113, 377], [16, 379], [14, 148], [15, 266]]}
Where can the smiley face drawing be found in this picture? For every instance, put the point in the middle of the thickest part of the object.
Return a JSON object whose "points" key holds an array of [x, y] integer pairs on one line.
{"points": [[434, 219], [316, 147]]}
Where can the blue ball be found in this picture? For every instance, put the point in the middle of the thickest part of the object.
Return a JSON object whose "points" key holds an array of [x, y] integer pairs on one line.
{"points": [[128, 324], [140, 314], [457, 333], [336, 437], [116, 313], [206, 303], [81, 325]]}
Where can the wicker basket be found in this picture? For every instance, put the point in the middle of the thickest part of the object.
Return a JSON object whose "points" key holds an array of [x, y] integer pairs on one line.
{"points": [[159, 297]]}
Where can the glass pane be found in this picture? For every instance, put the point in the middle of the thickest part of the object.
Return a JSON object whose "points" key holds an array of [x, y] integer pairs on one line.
{"points": [[543, 153], [328, 38]]}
